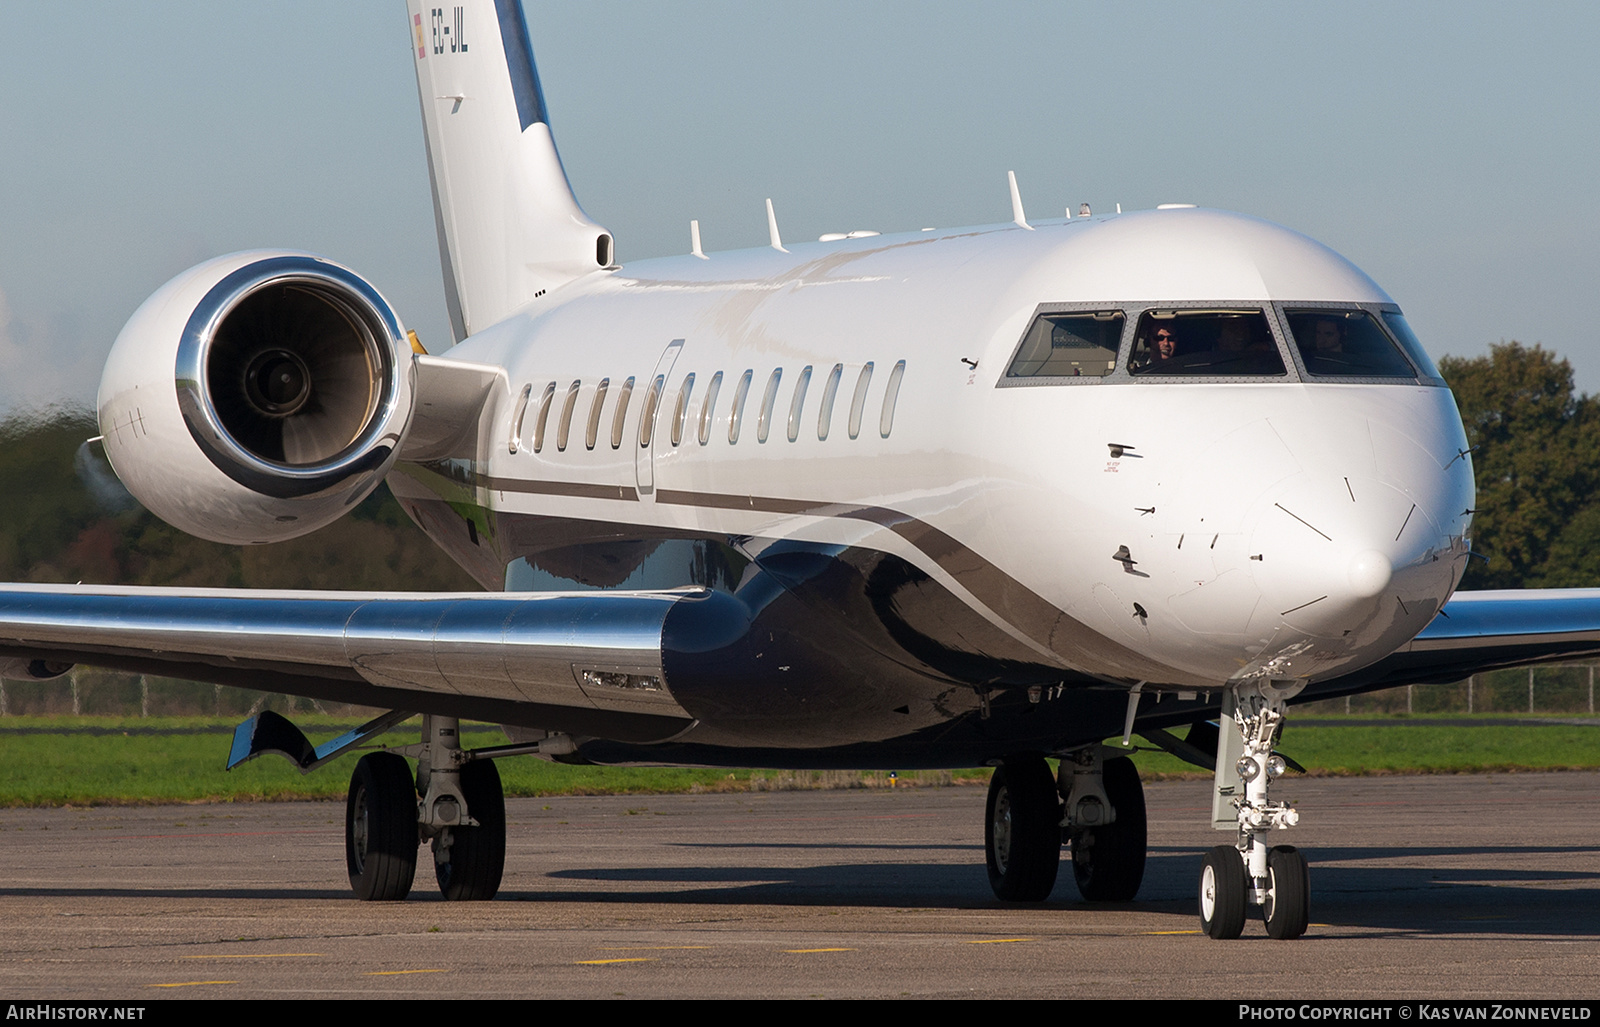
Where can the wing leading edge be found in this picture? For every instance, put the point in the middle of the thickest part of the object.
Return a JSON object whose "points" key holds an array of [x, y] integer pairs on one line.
{"points": [[579, 662], [1483, 631]]}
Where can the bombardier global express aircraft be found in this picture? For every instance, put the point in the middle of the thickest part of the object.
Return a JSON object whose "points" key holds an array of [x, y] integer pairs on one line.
{"points": [[951, 498]]}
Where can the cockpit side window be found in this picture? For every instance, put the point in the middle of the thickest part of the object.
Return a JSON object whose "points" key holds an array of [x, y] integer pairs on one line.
{"points": [[1069, 345], [1205, 344], [1410, 344], [1346, 344]]}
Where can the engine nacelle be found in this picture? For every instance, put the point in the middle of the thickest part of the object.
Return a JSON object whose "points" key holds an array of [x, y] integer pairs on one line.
{"points": [[257, 397]]}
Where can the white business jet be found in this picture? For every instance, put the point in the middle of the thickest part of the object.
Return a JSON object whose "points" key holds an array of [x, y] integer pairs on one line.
{"points": [[980, 496]]}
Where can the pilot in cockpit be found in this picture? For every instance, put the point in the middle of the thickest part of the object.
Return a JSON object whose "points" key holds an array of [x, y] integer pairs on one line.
{"points": [[1329, 338], [1165, 342]]}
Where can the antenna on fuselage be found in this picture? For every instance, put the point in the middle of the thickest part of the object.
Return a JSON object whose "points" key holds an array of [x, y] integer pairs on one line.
{"points": [[1016, 204], [772, 228], [694, 241]]}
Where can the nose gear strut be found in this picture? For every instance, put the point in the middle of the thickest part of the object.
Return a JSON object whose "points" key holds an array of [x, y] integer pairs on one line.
{"points": [[1274, 878]]}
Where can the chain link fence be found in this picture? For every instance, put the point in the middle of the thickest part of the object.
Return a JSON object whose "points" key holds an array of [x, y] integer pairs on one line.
{"points": [[90, 692]]}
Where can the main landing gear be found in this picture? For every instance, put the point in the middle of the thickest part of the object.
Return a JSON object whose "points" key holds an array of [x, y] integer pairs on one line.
{"points": [[1250, 872], [461, 811], [1103, 817]]}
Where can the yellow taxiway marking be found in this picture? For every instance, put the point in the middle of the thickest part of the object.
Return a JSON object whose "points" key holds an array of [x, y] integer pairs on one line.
{"points": [[598, 962], [800, 952], [188, 984], [648, 948], [1171, 932], [996, 941], [396, 973], [255, 955]]}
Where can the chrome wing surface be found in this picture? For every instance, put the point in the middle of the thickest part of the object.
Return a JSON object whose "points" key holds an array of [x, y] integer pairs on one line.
{"points": [[586, 663], [1481, 631]]}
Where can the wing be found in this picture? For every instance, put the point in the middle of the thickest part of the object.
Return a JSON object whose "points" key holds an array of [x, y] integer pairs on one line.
{"points": [[1481, 631], [583, 663]]}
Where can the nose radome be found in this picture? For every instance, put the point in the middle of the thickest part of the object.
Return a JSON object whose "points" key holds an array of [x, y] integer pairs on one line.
{"points": [[1370, 573], [1326, 552]]}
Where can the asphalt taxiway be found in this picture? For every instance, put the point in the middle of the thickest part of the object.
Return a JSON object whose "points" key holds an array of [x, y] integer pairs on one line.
{"points": [[1470, 886]]}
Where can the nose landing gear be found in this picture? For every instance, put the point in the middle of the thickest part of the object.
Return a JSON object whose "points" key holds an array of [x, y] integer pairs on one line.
{"points": [[1275, 878]]}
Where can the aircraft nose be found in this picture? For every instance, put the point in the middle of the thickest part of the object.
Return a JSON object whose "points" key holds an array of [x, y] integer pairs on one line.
{"points": [[1342, 557], [1370, 572]]}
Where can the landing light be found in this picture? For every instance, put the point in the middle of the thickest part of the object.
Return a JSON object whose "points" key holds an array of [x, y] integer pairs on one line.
{"points": [[1248, 768]]}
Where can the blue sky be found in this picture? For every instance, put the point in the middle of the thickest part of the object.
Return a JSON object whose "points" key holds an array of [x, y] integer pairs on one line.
{"points": [[1448, 149]]}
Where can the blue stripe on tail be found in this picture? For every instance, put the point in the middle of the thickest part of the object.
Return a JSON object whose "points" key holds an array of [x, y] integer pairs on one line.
{"points": [[519, 61]]}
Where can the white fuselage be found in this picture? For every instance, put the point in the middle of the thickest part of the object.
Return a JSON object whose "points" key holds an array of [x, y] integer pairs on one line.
{"points": [[1281, 527]]}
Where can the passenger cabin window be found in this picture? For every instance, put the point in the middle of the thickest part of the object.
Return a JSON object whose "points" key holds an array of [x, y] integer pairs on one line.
{"points": [[858, 402], [514, 443], [1205, 344], [739, 395], [620, 418], [647, 416], [681, 412], [564, 429], [544, 416], [591, 432], [1073, 345], [829, 391], [891, 395], [708, 407], [797, 404], [1345, 343], [768, 399]]}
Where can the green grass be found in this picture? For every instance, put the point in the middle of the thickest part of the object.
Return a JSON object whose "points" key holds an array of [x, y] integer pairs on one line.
{"points": [[1387, 746], [74, 767], [71, 766]]}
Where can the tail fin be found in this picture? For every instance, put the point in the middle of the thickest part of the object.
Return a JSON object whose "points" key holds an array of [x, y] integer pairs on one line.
{"points": [[509, 226]]}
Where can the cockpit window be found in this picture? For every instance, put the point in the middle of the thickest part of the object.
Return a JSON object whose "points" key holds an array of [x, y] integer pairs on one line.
{"points": [[1408, 342], [1345, 343], [1069, 346], [1205, 344]]}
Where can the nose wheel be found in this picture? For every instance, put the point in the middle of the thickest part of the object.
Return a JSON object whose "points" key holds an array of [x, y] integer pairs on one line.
{"points": [[1287, 905], [1223, 889]]}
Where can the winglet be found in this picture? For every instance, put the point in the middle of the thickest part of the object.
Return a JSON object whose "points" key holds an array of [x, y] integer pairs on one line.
{"points": [[772, 228], [1016, 203]]}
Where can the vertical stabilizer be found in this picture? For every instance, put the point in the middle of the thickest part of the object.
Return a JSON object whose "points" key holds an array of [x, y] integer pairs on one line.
{"points": [[509, 226]]}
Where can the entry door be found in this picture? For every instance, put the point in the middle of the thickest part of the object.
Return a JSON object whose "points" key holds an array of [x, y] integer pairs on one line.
{"points": [[652, 415]]}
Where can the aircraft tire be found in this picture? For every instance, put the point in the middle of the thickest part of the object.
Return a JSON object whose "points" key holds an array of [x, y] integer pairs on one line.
{"points": [[1287, 910], [1022, 830], [1108, 860], [477, 855], [1223, 889], [380, 832]]}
